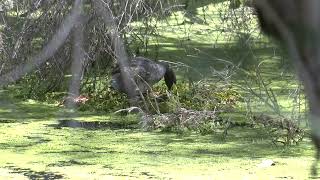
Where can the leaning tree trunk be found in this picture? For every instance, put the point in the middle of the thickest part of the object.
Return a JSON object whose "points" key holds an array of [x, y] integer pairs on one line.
{"points": [[296, 24], [105, 12]]}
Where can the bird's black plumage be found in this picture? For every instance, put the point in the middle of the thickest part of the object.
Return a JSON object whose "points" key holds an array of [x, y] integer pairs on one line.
{"points": [[145, 73]]}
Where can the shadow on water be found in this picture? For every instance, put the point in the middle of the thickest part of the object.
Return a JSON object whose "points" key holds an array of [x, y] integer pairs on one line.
{"points": [[68, 163], [7, 121], [24, 145], [95, 125], [34, 174]]}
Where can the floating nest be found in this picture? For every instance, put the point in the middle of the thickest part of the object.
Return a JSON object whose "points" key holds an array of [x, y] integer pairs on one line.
{"points": [[182, 118], [286, 131]]}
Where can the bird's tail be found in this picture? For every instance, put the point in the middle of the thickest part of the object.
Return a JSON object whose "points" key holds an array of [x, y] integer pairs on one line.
{"points": [[170, 77]]}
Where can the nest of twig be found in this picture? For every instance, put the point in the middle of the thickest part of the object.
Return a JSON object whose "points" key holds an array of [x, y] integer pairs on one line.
{"points": [[182, 118], [287, 130]]}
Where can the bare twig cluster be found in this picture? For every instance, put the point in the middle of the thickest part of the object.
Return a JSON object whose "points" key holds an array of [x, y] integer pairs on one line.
{"points": [[293, 133], [37, 41], [182, 118]]}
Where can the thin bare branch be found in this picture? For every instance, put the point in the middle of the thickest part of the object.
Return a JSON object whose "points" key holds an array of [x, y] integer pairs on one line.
{"points": [[49, 50]]}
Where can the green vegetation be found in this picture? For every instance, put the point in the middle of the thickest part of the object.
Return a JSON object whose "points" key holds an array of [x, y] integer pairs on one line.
{"points": [[33, 145]]}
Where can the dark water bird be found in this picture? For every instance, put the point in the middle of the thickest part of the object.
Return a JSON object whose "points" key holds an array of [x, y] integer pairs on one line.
{"points": [[145, 73]]}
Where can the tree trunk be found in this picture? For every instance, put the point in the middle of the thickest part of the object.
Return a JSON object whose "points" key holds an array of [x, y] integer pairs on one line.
{"points": [[296, 24]]}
